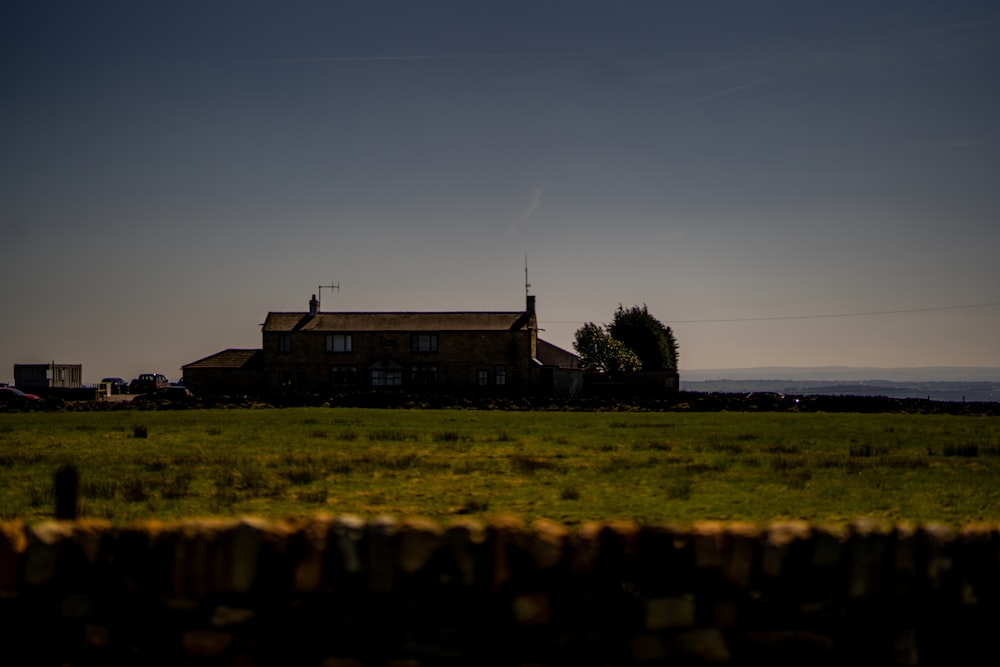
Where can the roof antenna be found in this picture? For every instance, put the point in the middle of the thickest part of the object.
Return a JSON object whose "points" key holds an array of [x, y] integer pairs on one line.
{"points": [[319, 293], [527, 285]]}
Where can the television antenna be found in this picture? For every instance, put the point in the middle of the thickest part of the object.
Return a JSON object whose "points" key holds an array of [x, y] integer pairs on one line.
{"points": [[319, 293], [527, 285]]}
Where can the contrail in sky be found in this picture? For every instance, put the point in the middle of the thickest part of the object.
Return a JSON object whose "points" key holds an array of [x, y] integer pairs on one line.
{"points": [[348, 59], [536, 200], [727, 91]]}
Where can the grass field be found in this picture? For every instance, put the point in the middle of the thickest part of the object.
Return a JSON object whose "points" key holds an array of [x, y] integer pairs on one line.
{"points": [[567, 466]]}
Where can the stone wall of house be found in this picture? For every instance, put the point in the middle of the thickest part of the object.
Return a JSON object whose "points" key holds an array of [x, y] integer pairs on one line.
{"points": [[342, 592], [459, 356], [224, 381]]}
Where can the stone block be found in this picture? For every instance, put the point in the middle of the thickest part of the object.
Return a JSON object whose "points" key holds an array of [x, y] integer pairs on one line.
{"points": [[417, 541], [780, 538], [308, 548], [248, 544], [381, 563], [508, 540], [870, 557], [663, 613], [548, 543], [531, 609], [13, 543], [348, 532], [464, 542], [205, 643], [708, 542], [741, 554], [585, 545], [646, 648], [43, 551], [704, 646], [935, 541]]}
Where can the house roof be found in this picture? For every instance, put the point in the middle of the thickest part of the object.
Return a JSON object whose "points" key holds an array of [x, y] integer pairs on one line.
{"points": [[400, 321], [231, 358], [553, 355]]}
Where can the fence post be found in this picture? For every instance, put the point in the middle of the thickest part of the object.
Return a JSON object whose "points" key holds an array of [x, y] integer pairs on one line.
{"points": [[67, 488]]}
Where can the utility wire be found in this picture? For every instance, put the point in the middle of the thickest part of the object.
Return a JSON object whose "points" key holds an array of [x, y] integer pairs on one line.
{"points": [[817, 317]]}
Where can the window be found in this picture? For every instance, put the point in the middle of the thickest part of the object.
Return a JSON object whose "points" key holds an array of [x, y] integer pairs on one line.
{"points": [[344, 375], [482, 377], [424, 374], [424, 343], [500, 375], [338, 342], [386, 377], [284, 343]]}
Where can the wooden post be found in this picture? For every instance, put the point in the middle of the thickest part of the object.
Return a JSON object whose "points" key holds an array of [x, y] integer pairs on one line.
{"points": [[67, 490]]}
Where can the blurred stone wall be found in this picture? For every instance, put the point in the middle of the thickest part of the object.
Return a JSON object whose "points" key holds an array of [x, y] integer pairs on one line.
{"points": [[339, 591]]}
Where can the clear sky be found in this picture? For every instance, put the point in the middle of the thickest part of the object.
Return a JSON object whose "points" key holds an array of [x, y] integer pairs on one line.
{"points": [[782, 182]]}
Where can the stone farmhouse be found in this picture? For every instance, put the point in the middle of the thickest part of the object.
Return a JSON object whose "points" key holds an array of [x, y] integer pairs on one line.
{"points": [[481, 354]]}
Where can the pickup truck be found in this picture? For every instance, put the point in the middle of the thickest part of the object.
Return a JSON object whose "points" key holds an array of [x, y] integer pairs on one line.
{"points": [[147, 382]]}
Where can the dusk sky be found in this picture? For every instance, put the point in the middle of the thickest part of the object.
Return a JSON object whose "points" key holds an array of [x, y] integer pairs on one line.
{"points": [[786, 182]]}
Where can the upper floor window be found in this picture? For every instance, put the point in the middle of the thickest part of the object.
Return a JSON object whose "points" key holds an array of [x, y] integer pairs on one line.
{"points": [[338, 342], [424, 342], [284, 342]]}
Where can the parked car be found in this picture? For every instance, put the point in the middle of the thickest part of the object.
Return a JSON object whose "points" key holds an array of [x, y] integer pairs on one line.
{"points": [[118, 385], [165, 394], [10, 396], [148, 382]]}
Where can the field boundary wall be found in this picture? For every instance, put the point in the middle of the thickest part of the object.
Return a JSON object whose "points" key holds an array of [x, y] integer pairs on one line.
{"points": [[339, 591]]}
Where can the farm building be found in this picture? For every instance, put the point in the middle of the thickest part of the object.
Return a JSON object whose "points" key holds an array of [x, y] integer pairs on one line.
{"points": [[48, 376], [495, 353]]}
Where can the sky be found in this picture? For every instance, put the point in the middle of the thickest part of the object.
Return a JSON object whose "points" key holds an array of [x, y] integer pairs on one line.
{"points": [[781, 182]]}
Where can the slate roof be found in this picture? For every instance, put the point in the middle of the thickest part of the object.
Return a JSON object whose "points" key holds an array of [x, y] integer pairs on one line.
{"points": [[401, 321], [553, 355], [231, 358]]}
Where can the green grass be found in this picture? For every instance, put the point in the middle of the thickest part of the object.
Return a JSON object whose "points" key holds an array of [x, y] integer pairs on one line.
{"points": [[567, 466]]}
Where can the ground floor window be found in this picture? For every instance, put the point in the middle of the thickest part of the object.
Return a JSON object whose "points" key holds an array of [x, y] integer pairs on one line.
{"points": [[423, 374], [386, 377], [482, 377], [500, 375], [344, 375]]}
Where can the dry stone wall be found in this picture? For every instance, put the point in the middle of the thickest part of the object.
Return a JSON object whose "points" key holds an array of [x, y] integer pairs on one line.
{"points": [[338, 591]]}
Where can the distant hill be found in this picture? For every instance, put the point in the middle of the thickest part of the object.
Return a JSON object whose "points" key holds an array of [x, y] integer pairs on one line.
{"points": [[936, 383], [849, 373]]}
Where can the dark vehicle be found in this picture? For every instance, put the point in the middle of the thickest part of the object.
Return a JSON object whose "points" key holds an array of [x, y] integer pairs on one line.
{"points": [[148, 382], [10, 396], [771, 399], [169, 393], [118, 385]]}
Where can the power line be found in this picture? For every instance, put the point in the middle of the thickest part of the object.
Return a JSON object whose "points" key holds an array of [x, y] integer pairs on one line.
{"points": [[816, 317]]}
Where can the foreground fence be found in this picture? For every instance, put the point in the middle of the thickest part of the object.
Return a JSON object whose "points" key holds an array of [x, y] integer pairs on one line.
{"points": [[342, 592]]}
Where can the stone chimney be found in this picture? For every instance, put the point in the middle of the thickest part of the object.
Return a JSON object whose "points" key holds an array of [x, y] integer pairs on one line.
{"points": [[313, 306], [529, 307]]}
